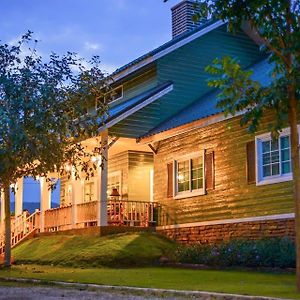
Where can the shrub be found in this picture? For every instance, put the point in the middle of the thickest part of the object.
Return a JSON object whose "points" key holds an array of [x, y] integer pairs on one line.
{"points": [[268, 252]]}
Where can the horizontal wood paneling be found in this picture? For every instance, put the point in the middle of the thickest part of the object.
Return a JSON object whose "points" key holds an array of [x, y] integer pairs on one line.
{"points": [[232, 197]]}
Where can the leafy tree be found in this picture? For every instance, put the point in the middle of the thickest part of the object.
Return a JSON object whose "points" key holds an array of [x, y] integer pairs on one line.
{"points": [[276, 23], [43, 116]]}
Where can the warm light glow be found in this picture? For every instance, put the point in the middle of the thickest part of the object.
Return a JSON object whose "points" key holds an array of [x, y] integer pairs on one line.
{"points": [[94, 159], [180, 177], [68, 168]]}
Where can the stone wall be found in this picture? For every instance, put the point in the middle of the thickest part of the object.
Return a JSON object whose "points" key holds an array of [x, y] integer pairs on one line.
{"points": [[213, 234]]}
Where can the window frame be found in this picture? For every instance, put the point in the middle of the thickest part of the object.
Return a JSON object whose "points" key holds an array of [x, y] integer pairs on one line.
{"points": [[114, 100], [189, 193], [111, 175], [260, 180]]}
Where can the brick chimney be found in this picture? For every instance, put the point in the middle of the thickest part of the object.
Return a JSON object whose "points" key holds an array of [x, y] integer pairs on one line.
{"points": [[182, 18]]}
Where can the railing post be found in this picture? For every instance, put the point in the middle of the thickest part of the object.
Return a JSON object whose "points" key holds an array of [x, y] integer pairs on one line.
{"points": [[45, 201], [102, 181]]}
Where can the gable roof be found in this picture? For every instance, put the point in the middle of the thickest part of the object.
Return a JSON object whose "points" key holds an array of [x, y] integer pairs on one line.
{"points": [[165, 49], [123, 110], [206, 106]]}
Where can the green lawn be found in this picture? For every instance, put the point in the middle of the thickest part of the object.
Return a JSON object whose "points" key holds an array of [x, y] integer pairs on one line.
{"points": [[237, 282], [129, 259], [122, 250]]}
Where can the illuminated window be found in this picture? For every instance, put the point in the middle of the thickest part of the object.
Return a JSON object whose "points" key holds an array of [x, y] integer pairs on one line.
{"points": [[273, 158], [114, 95], [189, 176], [114, 182], [89, 194]]}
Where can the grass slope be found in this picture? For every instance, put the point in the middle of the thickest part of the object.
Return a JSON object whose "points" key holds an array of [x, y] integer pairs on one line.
{"points": [[121, 250], [236, 282]]}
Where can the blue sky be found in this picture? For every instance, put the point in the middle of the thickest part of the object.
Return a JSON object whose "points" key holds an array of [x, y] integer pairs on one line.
{"points": [[116, 30]]}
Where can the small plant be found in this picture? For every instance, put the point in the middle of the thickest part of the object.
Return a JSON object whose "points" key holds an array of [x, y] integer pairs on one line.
{"points": [[268, 252]]}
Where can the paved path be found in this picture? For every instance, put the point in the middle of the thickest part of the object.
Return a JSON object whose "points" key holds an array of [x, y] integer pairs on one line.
{"points": [[53, 293]]}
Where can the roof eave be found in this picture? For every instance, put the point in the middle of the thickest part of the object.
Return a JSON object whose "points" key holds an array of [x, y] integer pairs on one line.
{"points": [[152, 58]]}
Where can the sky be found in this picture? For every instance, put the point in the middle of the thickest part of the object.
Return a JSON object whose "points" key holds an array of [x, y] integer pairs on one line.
{"points": [[117, 30]]}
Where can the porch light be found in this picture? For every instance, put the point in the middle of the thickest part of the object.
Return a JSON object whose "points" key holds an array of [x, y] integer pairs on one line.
{"points": [[94, 159]]}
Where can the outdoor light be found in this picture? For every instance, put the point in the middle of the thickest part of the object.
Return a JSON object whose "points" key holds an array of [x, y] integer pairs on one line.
{"points": [[94, 159]]}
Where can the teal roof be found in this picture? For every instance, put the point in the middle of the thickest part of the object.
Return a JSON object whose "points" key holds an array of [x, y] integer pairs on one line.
{"points": [[164, 46], [205, 106]]}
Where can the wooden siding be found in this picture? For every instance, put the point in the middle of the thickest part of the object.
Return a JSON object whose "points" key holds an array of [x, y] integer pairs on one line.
{"points": [[232, 197], [140, 166], [134, 167]]}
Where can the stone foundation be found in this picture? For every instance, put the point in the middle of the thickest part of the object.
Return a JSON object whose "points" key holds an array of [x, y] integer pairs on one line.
{"points": [[213, 234]]}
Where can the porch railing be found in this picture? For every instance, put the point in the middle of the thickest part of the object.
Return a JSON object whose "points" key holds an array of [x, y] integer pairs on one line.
{"points": [[57, 219]]}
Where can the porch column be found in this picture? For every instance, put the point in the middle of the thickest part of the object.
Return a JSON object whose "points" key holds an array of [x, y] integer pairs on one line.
{"points": [[19, 197], [2, 213], [45, 201], [102, 184], [76, 198]]}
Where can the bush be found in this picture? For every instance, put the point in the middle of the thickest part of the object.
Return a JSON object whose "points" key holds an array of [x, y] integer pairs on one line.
{"points": [[268, 252]]}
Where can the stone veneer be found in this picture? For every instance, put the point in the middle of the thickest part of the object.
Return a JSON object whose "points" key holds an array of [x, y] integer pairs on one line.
{"points": [[213, 234]]}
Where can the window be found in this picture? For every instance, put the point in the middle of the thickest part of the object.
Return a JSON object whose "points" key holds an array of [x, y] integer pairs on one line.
{"points": [[89, 191], [111, 96], [189, 176], [273, 158], [114, 182]]}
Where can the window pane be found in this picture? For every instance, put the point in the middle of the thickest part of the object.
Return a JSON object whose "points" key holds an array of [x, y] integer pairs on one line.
{"points": [[285, 142], [183, 176], [266, 146], [275, 157], [197, 173], [286, 167], [266, 170], [266, 159], [274, 145], [275, 169], [285, 154]]}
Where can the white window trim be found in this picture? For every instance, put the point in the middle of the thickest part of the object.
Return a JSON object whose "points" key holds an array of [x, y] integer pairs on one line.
{"points": [[190, 193], [272, 179], [119, 86]]}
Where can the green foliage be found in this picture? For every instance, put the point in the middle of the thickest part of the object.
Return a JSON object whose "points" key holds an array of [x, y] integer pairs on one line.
{"points": [[269, 252], [43, 107], [121, 250]]}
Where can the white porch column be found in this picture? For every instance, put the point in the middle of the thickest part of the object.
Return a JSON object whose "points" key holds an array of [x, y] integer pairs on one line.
{"points": [[19, 197], [2, 213], [45, 201], [102, 184], [76, 197]]}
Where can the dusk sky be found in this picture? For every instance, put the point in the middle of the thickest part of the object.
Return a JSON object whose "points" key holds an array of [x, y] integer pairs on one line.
{"points": [[116, 30]]}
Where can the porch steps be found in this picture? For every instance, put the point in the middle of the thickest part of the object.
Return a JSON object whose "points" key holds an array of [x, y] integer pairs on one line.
{"points": [[22, 227]]}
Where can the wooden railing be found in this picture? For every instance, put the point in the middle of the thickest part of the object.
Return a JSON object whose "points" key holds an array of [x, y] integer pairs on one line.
{"points": [[57, 219], [21, 227], [87, 212], [131, 213]]}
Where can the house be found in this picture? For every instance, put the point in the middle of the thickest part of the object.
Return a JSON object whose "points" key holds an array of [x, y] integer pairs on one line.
{"points": [[172, 159]]}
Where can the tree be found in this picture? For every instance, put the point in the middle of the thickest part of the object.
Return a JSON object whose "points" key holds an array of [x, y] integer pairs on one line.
{"points": [[277, 25], [43, 116]]}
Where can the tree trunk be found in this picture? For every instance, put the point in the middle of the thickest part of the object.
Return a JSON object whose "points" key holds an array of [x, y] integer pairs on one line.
{"points": [[296, 176], [7, 249]]}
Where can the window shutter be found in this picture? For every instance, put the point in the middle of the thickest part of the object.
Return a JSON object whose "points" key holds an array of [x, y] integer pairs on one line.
{"points": [[209, 161], [170, 180], [251, 166]]}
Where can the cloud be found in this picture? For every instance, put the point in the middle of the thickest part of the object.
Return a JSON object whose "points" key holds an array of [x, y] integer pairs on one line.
{"points": [[89, 46]]}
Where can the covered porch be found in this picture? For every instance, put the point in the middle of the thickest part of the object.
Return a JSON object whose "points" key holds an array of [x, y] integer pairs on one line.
{"points": [[120, 192]]}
